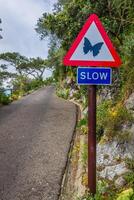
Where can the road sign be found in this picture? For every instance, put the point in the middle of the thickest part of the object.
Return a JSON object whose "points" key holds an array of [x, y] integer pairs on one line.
{"points": [[92, 47], [94, 76]]}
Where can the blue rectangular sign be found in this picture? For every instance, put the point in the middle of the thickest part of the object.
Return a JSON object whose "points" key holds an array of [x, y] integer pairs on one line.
{"points": [[94, 76]]}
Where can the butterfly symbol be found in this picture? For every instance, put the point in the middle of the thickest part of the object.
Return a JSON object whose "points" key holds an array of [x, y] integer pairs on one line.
{"points": [[95, 48]]}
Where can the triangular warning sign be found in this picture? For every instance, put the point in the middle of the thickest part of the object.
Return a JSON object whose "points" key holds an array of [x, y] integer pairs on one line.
{"points": [[92, 47]]}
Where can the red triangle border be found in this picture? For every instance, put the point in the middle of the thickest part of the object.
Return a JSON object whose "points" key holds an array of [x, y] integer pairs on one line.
{"points": [[115, 63]]}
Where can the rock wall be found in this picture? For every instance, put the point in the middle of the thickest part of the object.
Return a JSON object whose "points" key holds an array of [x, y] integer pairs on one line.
{"points": [[111, 155]]}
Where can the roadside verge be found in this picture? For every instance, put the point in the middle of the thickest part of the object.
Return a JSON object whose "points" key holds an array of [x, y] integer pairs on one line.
{"points": [[72, 186]]}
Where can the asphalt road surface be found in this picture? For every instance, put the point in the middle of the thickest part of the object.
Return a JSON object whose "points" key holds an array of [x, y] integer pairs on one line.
{"points": [[35, 137]]}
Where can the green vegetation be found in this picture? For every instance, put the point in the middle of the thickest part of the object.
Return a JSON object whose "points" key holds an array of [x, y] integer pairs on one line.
{"points": [[129, 176], [21, 87], [85, 155], [110, 118], [126, 195], [103, 193], [63, 93], [4, 99]]}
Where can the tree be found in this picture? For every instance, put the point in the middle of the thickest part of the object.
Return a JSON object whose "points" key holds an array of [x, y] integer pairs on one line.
{"points": [[25, 66], [34, 67], [66, 23], [14, 60], [68, 19]]}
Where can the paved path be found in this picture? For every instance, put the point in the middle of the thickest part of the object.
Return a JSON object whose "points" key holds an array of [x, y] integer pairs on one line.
{"points": [[35, 136]]}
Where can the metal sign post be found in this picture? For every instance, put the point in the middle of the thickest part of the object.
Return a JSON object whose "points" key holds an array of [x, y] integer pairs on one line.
{"points": [[92, 138]]}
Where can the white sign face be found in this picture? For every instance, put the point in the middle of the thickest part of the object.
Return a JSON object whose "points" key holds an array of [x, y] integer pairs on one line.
{"points": [[92, 41]]}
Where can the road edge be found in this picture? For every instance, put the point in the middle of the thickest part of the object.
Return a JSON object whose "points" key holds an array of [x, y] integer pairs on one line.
{"points": [[71, 186]]}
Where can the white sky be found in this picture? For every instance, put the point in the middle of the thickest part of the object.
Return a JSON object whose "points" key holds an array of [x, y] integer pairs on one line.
{"points": [[19, 18]]}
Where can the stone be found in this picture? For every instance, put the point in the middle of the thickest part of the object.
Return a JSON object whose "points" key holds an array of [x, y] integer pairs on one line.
{"points": [[130, 103], [104, 94], [84, 112], [72, 92], [129, 147], [111, 149], [108, 152], [110, 172], [120, 182]]}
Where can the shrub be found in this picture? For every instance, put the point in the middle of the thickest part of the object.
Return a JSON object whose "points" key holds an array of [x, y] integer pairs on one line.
{"points": [[82, 124], [111, 118], [5, 100], [35, 84], [49, 81], [126, 195], [14, 97], [117, 116], [85, 154], [129, 176], [63, 93], [102, 114], [130, 163], [103, 193]]}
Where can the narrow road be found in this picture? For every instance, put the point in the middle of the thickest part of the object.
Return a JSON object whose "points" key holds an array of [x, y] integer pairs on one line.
{"points": [[35, 137]]}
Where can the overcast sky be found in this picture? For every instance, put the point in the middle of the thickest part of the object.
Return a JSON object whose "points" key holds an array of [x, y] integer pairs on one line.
{"points": [[19, 18]]}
